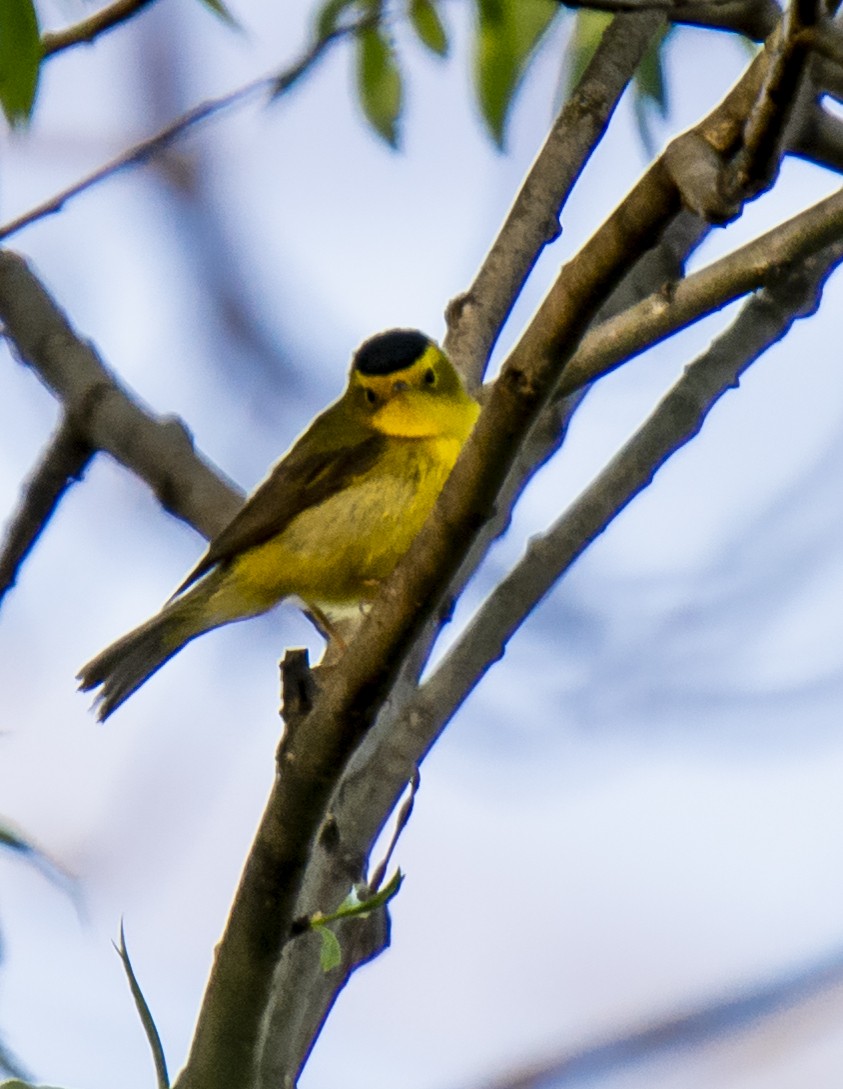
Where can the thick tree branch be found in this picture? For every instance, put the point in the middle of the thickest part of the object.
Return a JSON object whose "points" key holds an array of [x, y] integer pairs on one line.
{"points": [[340, 862], [62, 462], [105, 415]]}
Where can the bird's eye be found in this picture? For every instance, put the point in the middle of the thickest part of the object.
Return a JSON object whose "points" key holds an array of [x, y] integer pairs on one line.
{"points": [[371, 396], [430, 376]]}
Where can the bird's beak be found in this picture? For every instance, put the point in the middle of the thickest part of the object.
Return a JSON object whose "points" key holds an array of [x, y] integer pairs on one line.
{"points": [[400, 386]]}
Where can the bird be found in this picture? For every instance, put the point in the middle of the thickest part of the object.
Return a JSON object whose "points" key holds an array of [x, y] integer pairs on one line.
{"points": [[329, 522]]}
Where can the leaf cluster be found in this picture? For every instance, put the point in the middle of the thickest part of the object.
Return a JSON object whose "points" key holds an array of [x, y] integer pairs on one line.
{"points": [[507, 34]]}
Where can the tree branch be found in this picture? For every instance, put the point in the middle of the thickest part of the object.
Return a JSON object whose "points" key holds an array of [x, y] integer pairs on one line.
{"points": [[818, 138], [380, 771], [756, 19], [765, 319], [228, 1035], [105, 414], [476, 317], [271, 86], [515, 403], [88, 29], [62, 462], [313, 754], [664, 313]]}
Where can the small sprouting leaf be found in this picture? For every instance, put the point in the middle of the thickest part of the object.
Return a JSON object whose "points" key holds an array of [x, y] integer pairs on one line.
{"points": [[20, 59], [508, 33], [330, 955], [220, 9], [428, 26], [389, 890], [352, 907], [379, 82]]}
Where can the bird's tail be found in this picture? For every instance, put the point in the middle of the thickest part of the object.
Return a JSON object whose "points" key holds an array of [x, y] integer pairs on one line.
{"points": [[124, 666]]}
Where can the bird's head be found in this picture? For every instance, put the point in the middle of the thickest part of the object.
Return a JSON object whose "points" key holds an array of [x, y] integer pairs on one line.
{"points": [[405, 386]]}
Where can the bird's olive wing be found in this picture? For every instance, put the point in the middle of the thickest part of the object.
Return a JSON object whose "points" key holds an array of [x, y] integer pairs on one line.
{"points": [[301, 480]]}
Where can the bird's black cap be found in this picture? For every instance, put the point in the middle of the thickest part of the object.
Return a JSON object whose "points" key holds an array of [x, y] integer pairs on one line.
{"points": [[389, 352]]}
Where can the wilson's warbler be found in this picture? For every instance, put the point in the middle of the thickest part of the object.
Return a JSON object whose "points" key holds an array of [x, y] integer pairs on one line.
{"points": [[331, 520]]}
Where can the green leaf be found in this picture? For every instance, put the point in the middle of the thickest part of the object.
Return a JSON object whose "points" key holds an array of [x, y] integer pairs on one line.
{"points": [[650, 92], [328, 16], [330, 955], [20, 59], [508, 33], [353, 906], [379, 82], [389, 890], [428, 26], [650, 81], [588, 30], [220, 9]]}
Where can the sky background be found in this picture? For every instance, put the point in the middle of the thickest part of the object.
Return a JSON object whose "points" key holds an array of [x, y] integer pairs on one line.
{"points": [[638, 812]]}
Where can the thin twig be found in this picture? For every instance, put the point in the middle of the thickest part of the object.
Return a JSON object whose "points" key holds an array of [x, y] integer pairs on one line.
{"points": [[272, 86], [758, 159]]}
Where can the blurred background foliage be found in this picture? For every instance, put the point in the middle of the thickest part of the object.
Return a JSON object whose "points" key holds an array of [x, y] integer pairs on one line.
{"points": [[507, 34]]}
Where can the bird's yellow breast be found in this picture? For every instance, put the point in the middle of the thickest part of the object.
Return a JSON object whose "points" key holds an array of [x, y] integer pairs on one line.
{"points": [[338, 552]]}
